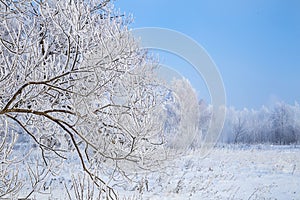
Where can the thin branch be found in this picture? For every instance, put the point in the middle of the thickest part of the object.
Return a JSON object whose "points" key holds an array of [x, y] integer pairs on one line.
{"points": [[34, 138]]}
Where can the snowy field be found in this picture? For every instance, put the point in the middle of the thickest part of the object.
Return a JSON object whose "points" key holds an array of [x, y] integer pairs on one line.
{"points": [[257, 172], [231, 172]]}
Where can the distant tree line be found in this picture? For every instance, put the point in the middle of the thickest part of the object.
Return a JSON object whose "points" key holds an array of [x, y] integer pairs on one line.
{"points": [[278, 125], [189, 120]]}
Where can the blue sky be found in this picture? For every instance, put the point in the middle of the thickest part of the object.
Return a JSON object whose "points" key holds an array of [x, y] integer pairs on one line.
{"points": [[254, 43]]}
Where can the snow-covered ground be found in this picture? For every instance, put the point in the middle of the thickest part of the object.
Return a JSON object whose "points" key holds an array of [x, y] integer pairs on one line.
{"points": [[230, 172], [253, 172]]}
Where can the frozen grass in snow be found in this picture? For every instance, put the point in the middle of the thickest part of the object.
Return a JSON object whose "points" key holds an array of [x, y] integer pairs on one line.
{"points": [[257, 172], [230, 172]]}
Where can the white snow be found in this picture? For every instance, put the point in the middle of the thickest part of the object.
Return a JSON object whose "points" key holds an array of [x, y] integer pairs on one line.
{"points": [[257, 172], [230, 172]]}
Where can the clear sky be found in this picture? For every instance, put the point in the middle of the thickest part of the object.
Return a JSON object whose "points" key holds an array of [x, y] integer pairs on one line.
{"points": [[255, 43]]}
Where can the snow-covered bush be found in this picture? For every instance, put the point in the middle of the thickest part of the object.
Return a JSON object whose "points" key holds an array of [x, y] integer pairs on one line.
{"points": [[74, 80]]}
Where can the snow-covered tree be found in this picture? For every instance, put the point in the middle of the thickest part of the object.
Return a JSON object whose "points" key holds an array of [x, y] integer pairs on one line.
{"points": [[282, 120], [278, 125], [75, 81], [185, 110], [206, 113], [296, 113]]}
